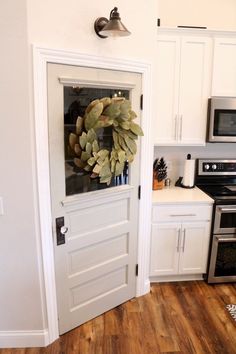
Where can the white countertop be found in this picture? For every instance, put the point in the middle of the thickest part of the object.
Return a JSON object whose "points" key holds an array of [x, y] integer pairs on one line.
{"points": [[180, 195]]}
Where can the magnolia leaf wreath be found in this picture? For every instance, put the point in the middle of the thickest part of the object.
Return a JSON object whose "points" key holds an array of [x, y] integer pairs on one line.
{"points": [[101, 162]]}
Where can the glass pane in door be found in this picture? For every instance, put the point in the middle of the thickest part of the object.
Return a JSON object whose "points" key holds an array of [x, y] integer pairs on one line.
{"points": [[76, 99]]}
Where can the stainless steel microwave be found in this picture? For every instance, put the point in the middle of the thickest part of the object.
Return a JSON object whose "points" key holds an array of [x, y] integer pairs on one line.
{"points": [[222, 120]]}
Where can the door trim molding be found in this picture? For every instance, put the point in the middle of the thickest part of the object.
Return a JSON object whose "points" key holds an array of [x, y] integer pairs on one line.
{"points": [[41, 57]]}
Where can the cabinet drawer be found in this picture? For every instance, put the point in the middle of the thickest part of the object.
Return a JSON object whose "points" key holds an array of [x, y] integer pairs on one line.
{"points": [[181, 213]]}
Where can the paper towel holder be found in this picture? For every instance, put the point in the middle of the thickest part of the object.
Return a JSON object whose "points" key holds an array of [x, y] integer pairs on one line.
{"points": [[179, 183]]}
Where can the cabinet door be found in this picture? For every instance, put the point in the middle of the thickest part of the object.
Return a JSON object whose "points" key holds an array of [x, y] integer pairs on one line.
{"points": [[194, 90], [164, 249], [168, 62], [194, 247], [224, 67]]}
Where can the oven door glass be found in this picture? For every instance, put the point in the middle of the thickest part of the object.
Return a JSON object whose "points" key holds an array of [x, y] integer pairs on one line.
{"points": [[225, 257], [224, 122], [225, 219]]}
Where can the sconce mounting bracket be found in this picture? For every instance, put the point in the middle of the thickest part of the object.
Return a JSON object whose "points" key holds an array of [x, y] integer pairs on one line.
{"points": [[99, 24]]}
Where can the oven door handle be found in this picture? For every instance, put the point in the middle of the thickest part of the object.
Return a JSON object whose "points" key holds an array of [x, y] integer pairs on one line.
{"points": [[226, 239], [227, 209]]}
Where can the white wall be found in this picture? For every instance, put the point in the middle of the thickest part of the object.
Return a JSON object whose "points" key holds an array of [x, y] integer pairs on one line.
{"points": [[214, 14], [20, 301], [175, 156], [61, 25], [53, 24]]}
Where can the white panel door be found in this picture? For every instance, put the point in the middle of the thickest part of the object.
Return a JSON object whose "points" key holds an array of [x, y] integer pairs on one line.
{"points": [[194, 247], [165, 247], [95, 267]]}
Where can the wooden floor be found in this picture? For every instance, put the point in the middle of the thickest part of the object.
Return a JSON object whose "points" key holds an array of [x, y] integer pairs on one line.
{"points": [[185, 317]]}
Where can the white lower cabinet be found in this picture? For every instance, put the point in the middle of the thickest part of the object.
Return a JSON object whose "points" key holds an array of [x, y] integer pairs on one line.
{"points": [[180, 248]]}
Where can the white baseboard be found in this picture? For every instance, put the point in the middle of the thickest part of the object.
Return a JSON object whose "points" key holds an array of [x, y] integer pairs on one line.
{"points": [[173, 278], [24, 339]]}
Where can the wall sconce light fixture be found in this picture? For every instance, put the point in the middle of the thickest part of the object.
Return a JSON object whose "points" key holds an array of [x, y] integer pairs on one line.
{"points": [[112, 27]]}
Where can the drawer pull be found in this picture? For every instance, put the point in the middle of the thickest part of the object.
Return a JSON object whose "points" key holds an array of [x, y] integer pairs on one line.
{"points": [[178, 215]]}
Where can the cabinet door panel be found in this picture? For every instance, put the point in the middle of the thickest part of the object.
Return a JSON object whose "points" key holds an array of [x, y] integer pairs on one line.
{"points": [[194, 248], [164, 253], [168, 61], [194, 90], [224, 67]]}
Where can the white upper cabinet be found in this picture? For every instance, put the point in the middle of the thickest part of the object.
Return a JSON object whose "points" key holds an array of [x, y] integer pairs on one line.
{"points": [[183, 87], [224, 67]]}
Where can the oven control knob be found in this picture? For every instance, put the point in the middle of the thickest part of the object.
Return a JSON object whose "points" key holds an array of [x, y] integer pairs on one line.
{"points": [[206, 167], [214, 167]]}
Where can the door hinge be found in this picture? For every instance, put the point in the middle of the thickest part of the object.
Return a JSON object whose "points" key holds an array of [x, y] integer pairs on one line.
{"points": [[136, 270], [139, 192], [141, 102]]}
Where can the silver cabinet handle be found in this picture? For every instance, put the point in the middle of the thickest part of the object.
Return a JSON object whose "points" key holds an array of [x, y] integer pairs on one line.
{"points": [[179, 215], [179, 239], [64, 230], [181, 126], [184, 232]]}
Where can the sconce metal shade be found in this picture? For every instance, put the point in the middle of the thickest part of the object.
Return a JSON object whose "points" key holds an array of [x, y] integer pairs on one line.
{"points": [[113, 27]]}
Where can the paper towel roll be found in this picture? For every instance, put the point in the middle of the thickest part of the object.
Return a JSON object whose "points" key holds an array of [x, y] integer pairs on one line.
{"points": [[189, 173]]}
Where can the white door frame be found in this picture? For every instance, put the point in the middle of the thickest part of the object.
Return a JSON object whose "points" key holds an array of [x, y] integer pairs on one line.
{"points": [[41, 57]]}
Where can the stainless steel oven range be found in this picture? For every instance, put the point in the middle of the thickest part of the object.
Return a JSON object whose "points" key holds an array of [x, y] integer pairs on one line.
{"points": [[217, 178]]}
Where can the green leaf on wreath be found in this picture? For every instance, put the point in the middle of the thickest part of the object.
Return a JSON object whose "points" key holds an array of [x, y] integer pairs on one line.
{"points": [[79, 125], [125, 125], [105, 101], [91, 136], [136, 129], [97, 169], [91, 105], [95, 146], [91, 118], [131, 144], [113, 110], [88, 148], [83, 140], [103, 153], [85, 156], [125, 107], [113, 165], [77, 149], [133, 115], [73, 139], [91, 161], [115, 139], [132, 135], [122, 156], [119, 168]]}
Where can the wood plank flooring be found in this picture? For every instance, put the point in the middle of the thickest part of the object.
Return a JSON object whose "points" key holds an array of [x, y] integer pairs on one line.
{"points": [[183, 317]]}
